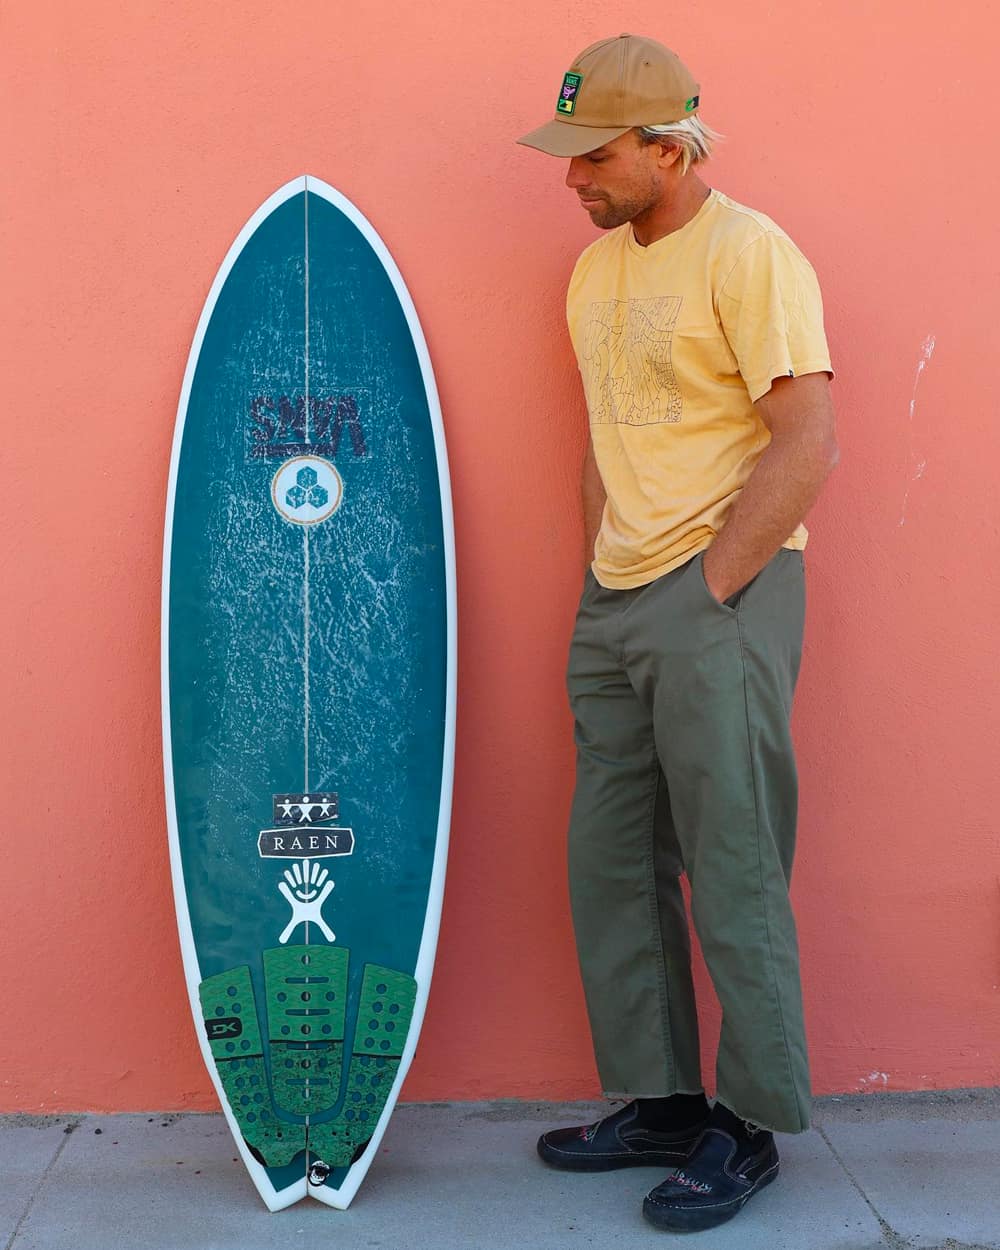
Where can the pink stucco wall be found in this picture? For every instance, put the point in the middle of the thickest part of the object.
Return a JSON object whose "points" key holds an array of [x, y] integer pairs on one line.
{"points": [[138, 138]]}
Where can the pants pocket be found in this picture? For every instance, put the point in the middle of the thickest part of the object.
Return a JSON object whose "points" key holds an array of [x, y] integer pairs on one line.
{"points": [[697, 570]]}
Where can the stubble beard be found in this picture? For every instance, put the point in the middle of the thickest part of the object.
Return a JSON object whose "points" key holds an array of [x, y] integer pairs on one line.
{"points": [[608, 214]]}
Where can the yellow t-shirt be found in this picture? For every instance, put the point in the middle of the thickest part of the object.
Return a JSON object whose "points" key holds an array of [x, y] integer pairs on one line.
{"points": [[676, 342]]}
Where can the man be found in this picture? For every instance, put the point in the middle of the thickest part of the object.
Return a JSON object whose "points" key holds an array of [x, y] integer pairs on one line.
{"points": [[698, 330]]}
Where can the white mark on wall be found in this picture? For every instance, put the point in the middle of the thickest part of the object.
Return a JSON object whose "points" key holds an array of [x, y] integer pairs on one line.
{"points": [[917, 464], [874, 1078]]}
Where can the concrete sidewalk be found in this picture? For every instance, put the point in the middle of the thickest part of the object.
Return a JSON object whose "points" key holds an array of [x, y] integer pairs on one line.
{"points": [[894, 1171]]}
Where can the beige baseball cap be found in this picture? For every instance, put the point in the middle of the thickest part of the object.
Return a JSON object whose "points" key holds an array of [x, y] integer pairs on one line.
{"points": [[612, 86]]}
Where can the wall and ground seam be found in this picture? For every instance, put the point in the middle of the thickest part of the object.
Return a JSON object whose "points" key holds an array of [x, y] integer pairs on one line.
{"points": [[138, 138]]}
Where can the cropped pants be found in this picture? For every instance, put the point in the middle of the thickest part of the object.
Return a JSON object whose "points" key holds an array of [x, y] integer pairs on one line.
{"points": [[685, 765]]}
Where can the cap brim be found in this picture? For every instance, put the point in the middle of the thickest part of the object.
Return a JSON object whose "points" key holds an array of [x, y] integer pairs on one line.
{"points": [[559, 138]]}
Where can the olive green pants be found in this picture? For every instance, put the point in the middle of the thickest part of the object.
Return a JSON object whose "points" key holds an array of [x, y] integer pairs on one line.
{"points": [[685, 764]]}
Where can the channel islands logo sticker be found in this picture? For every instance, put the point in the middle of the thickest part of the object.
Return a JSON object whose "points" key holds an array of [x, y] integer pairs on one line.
{"points": [[691, 105], [307, 490], [567, 97]]}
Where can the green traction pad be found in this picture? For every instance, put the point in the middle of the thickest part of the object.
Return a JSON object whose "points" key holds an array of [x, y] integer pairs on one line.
{"points": [[384, 1015], [306, 993], [368, 1083], [306, 1000], [230, 1011]]}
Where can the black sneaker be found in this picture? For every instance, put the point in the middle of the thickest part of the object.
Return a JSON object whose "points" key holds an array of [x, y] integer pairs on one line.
{"points": [[617, 1141], [717, 1180]]}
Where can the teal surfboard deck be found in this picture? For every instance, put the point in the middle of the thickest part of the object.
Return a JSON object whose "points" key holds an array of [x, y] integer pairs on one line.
{"points": [[308, 688]]}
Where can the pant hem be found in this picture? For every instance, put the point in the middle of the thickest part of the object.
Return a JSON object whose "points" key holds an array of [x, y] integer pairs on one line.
{"points": [[774, 1127], [659, 1094]]}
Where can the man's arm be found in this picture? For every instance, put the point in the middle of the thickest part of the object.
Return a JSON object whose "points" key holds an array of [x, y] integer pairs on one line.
{"points": [[592, 490], [784, 485]]}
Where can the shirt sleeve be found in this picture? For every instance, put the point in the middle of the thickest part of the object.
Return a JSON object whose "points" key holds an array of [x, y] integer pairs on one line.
{"points": [[772, 314]]}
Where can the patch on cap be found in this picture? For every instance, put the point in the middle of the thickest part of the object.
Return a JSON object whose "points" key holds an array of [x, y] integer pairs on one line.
{"points": [[567, 97], [691, 105]]}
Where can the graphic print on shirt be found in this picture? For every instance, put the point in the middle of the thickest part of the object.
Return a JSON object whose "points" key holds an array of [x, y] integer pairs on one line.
{"points": [[628, 370]]}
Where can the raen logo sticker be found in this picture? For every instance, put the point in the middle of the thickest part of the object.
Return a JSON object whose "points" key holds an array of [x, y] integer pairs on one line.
{"points": [[567, 97]]}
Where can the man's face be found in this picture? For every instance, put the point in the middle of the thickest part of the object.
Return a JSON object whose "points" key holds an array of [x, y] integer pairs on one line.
{"points": [[618, 181]]}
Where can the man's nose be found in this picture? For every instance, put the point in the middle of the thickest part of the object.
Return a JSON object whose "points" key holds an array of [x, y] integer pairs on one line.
{"points": [[576, 176]]}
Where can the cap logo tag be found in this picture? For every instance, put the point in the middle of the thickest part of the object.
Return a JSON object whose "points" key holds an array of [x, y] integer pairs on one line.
{"points": [[691, 105], [567, 97]]}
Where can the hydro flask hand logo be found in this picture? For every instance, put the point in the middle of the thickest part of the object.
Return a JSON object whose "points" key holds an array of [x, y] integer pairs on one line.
{"points": [[305, 890]]}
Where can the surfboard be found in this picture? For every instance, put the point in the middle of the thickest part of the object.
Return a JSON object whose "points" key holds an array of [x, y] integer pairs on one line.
{"points": [[308, 687]]}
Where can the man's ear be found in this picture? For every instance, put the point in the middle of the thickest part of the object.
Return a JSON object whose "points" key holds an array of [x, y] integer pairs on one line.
{"points": [[669, 154]]}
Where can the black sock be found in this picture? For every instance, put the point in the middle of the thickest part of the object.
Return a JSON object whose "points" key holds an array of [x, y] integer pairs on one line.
{"points": [[679, 1111], [745, 1131]]}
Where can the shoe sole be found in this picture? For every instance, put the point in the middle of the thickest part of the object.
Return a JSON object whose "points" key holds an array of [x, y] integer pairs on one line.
{"points": [[699, 1219], [566, 1161]]}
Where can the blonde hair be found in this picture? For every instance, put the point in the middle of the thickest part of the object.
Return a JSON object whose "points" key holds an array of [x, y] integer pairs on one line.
{"points": [[691, 135]]}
